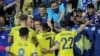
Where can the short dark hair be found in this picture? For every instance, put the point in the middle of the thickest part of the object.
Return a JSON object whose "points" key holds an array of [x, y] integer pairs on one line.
{"points": [[75, 17], [63, 24], [78, 10], [53, 2], [37, 19], [90, 6], [42, 5], [23, 17], [23, 31], [45, 26]]}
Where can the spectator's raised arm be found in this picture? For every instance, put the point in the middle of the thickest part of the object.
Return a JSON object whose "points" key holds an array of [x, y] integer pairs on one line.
{"points": [[62, 13], [50, 19], [82, 27]]}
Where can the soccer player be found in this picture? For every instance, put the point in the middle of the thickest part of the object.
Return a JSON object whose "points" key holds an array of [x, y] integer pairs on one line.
{"points": [[14, 34], [64, 41], [46, 39], [30, 21], [23, 48], [37, 24]]}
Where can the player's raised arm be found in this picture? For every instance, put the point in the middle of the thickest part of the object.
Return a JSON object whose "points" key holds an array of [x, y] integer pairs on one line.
{"points": [[83, 26]]}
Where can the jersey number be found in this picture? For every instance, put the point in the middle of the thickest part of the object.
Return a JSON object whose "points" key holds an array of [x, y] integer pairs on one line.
{"points": [[21, 52], [50, 39], [65, 42]]}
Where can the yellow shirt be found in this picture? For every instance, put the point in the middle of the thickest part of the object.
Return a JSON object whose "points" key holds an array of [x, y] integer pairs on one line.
{"points": [[66, 41], [22, 48], [15, 34], [46, 40], [38, 48]]}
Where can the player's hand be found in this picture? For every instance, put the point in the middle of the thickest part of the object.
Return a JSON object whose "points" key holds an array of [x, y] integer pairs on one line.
{"points": [[45, 51]]}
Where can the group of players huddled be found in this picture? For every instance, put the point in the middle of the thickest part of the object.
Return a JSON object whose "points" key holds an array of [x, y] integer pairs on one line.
{"points": [[38, 36], [42, 41]]}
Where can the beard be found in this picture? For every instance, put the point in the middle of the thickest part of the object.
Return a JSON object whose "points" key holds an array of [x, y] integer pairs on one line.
{"points": [[56, 10]]}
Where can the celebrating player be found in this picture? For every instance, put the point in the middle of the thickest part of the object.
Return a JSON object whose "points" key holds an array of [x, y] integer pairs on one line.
{"points": [[14, 34], [64, 41], [46, 38], [23, 48]]}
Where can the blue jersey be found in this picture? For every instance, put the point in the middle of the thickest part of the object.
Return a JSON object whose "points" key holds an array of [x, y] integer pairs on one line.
{"points": [[94, 18]]}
